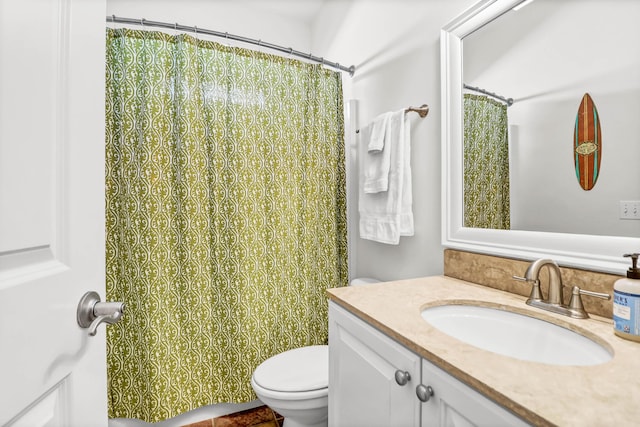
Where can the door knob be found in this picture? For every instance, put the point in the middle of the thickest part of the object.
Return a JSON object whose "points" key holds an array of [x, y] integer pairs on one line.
{"points": [[91, 312]]}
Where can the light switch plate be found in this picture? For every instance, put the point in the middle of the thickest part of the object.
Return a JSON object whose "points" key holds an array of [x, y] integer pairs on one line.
{"points": [[629, 209]]}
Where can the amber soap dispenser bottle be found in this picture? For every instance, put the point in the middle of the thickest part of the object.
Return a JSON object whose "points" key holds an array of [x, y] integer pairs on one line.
{"points": [[626, 303]]}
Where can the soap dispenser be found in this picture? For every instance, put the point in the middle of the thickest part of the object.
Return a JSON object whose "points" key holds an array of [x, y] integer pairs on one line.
{"points": [[626, 302]]}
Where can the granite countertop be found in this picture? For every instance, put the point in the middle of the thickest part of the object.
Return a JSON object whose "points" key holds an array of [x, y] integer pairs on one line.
{"points": [[542, 394]]}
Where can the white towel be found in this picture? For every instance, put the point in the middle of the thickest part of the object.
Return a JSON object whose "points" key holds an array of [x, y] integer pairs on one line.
{"points": [[387, 215], [376, 158], [406, 202], [379, 127]]}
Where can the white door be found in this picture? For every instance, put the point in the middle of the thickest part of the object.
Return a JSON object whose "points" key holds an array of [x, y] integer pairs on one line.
{"points": [[51, 211]]}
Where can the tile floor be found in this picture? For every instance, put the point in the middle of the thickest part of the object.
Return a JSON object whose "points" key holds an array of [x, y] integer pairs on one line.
{"points": [[261, 416]]}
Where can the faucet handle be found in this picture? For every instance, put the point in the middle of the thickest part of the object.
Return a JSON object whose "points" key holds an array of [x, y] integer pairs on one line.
{"points": [[536, 293], [575, 304], [591, 294]]}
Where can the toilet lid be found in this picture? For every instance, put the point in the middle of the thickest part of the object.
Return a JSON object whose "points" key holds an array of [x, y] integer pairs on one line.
{"points": [[300, 369]]}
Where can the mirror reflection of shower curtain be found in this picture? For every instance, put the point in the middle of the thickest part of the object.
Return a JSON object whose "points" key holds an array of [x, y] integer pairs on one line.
{"points": [[486, 163]]}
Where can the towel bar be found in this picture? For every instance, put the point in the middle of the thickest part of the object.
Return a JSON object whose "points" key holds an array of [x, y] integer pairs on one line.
{"points": [[422, 111]]}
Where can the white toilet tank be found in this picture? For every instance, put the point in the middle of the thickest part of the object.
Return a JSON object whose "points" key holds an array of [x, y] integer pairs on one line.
{"points": [[362, 281]]}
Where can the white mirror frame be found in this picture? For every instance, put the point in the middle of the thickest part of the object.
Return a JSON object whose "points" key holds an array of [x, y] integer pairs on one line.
{"points": [[597, 253]]}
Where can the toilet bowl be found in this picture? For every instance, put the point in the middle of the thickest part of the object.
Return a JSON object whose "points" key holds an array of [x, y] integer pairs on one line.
{"points": [[295, 384]]}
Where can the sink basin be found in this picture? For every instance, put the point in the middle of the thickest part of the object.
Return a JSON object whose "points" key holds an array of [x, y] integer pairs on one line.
{"points": [[516, 335]]}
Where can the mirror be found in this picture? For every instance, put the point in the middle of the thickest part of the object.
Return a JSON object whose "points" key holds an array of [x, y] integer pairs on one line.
{"points": [[510, 53], [546, 56]]}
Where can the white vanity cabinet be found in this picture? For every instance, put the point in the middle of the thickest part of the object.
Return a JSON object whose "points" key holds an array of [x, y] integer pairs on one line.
{"points": [[375, 381], [363, 363]]}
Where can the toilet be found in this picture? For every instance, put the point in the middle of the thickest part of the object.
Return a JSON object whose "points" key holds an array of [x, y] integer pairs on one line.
{"points": [[295, 384]]}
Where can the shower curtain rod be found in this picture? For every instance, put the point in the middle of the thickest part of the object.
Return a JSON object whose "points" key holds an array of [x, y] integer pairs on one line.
{"points": [[508, 101], [143, 22]]}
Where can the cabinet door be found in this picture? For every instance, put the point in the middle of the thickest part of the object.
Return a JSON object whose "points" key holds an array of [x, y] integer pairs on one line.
{"points": [[362, 367], [454, 404]]}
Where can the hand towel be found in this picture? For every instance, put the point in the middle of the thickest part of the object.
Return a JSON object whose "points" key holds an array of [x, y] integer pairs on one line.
{"points": [[379, 127], [387, 215], [376, 158]]}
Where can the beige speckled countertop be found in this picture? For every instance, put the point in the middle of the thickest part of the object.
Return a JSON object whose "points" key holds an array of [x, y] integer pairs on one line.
{"points": [[601, 395]]}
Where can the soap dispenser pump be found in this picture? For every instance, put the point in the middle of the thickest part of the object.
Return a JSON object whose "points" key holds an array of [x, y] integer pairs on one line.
{"points": [[626, 302]]}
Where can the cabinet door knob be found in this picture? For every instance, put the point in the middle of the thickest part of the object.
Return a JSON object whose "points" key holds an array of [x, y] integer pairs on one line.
{"points": [[424, 393], [402, 377]]}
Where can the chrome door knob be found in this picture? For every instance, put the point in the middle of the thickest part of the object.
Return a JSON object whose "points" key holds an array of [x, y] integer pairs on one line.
{"points": [[91, 312]]}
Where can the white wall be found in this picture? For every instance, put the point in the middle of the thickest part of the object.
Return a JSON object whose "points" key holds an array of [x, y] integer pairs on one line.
{"points": [[395, 46]]}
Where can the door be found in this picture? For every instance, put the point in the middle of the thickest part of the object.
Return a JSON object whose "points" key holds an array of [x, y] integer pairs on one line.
{"points": [[51, 211], [372, 379]]}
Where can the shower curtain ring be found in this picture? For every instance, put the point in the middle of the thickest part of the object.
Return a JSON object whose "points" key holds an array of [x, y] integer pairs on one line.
{"points": [[142, 22]]}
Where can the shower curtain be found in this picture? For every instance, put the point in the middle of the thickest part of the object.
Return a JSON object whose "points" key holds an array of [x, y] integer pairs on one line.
{"points": [[225, 216], [486, 164]]}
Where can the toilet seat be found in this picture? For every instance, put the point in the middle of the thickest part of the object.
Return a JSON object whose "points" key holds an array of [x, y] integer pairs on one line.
{"points": [[299, 370]]}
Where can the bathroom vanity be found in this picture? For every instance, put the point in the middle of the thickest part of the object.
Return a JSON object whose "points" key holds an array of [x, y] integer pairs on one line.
{"points": [[388, 366], [378, 382]]}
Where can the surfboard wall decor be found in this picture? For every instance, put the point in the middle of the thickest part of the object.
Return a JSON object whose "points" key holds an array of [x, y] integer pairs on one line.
{"points": [[587, 143]]}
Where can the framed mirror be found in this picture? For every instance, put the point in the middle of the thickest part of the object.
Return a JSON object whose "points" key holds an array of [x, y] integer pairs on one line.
{"points": [[507, 52]]}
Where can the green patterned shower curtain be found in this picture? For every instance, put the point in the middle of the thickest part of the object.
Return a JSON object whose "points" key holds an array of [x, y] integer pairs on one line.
{"points": [[486, 164], [225, 216]]}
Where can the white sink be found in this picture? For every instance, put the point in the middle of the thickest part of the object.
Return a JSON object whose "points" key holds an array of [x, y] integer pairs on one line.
{"points": [[516, 335]]}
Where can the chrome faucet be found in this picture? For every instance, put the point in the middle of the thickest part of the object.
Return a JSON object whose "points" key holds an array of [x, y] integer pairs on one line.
{"points": [[555, 300]]}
